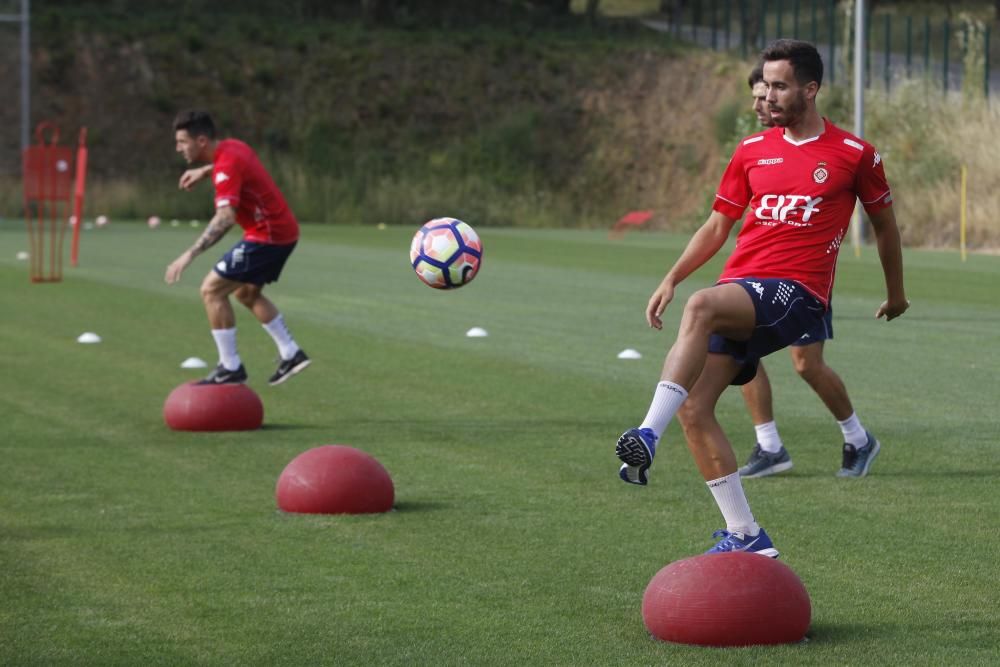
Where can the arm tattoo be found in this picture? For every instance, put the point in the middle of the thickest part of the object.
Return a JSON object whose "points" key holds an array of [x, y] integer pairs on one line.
{"points": [[224, 219]]}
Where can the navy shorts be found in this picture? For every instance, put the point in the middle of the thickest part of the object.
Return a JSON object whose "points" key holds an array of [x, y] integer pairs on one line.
{"points": [[785, 311], [819, 333], [254, 263]]}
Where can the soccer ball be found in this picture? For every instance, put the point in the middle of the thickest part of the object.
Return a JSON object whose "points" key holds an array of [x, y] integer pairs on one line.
{"points": [[446, 253]]}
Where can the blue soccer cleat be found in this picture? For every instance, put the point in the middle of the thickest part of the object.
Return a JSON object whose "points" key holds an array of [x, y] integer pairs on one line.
{"points": [[636, 448], [857, 460], [757, 544]]}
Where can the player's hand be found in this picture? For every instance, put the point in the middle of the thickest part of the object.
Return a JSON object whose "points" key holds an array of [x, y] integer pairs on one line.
{"points": [[176, 268], [192, 176], [892, 309], [663, 295]]}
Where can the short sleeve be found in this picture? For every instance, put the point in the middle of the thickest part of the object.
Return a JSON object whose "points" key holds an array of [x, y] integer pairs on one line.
{"points": [[227, 177], [734, 193], [871, 185]]}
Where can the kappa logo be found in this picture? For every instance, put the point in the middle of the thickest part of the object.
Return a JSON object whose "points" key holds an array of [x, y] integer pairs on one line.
{"points": [[757, 287], [878, 158], [784, 208], [770, 160], [221, 177]]}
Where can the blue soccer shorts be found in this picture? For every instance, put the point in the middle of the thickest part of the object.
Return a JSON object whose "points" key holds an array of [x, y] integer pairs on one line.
{"points": [[784, 312], [254, 263], [823, 330]]}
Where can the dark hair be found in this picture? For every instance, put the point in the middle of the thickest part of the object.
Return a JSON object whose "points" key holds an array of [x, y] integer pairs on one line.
{"points": [[756, 75], [197, 123], [805, 60]]}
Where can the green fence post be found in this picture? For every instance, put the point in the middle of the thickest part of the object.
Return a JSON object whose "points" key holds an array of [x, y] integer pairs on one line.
{"points": [[986, 64], [729, 21], [763, 24], [695, 21], [944, 48], [711, 9], [927, 47], [909, 45], [795, 20], [868, 48], [743, 27], [832, 14], [814, 21], [888, 39], [778, 30]]}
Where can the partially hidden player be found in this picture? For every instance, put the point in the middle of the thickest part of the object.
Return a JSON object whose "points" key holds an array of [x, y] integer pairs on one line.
{"points": [[769, 455], [245, 195]]}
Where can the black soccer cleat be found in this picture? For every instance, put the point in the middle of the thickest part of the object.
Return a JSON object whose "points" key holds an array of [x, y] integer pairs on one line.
{"points": [[289, 367], [221, 375]]}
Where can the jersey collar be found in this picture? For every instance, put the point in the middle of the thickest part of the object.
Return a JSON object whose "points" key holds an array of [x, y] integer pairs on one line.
{"points": [[804, 141]]}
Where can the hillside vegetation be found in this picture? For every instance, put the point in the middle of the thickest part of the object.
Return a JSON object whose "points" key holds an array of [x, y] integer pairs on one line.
{"points": [[558, 124]]}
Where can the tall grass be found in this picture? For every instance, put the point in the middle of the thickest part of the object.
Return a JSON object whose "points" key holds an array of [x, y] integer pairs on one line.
{"points": [[925, 139]]}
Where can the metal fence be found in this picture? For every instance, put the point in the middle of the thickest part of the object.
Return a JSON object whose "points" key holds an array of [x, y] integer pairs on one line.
{"points": [[951, 54]]}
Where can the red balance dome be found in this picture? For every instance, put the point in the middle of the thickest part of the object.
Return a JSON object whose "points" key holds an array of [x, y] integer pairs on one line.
{"points": [[213, 407], [728, 599], [334, 479]]}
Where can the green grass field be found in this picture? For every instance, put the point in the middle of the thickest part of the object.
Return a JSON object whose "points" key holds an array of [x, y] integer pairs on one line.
{"points": [[513, 542]]}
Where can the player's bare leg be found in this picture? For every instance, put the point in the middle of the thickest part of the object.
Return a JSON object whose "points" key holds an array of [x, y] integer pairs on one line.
{"points": [[705, 438], [215, 291], [860, 446], [769, 455], [292, 359], [716, 461], [811, 367], [726, 309], [252, 297], [723, 309], [757, 395]]}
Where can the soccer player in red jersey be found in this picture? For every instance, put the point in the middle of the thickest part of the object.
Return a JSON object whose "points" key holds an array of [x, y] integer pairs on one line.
{"points": [[799, 181], [769, 455], [245, 195]]}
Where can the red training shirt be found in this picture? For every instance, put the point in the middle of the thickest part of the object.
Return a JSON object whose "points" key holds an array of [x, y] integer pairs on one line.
{"points": [[242, 182], [801, 198]]}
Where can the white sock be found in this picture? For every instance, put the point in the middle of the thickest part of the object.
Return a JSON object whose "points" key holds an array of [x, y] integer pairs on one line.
{"points": [[728, 493], [768, 438], [225, 340], [853, 431], [282, 337], [666, 400]]}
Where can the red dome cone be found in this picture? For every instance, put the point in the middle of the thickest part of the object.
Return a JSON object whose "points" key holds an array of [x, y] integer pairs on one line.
{"points": [[334, 479], [728, 599], [213, 407]]}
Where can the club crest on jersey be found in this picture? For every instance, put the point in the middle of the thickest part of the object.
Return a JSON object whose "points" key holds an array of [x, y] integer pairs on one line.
{"points": [[820, 174]]}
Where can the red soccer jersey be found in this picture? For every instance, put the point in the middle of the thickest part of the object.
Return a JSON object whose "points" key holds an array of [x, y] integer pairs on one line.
{"points": [[801, 198], [242, 182]]}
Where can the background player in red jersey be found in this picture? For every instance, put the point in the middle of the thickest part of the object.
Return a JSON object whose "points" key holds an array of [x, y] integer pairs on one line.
{"points": [[769, 455], [244, 195], [800, 181]]}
